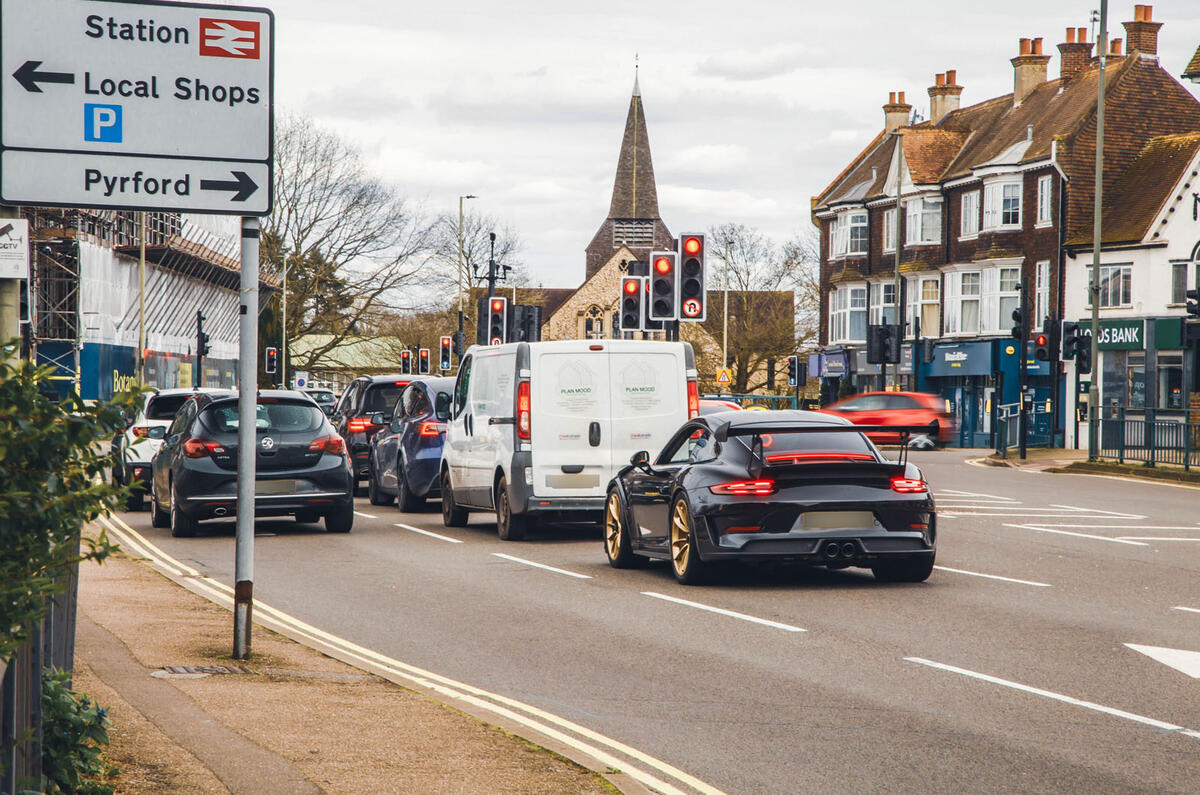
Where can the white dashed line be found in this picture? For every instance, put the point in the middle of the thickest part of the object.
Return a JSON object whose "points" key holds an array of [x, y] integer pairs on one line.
{"points": [[994, 577], [542, 566], [1097, 510], [427, 533], [720, 611], [1041, 529], [365, 515], [1187, 609], [1118, 713], [1156, 538]]}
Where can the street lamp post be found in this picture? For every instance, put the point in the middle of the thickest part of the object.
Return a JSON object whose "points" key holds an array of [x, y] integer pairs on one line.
{"points": [[1094, 287], [460, 258]]}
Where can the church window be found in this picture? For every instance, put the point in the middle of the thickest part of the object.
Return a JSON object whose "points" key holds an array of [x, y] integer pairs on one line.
{"points": [[593, 323]]}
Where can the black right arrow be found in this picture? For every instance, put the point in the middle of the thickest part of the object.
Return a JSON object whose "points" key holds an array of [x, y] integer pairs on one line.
{"points": [[29, 77], [242, 184]]}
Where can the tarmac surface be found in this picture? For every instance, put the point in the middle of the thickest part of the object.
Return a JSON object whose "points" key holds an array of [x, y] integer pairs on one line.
{"points": [[189, 719]]}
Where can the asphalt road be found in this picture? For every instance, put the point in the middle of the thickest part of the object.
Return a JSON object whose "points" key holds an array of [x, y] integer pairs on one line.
{"points": [[1008, 670]]}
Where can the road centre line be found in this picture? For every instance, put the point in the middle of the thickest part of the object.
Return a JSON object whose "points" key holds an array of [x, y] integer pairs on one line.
{"points": [[427, 533], [542, 566], [1119, 713], [723, 612], [975, 494], [1117, 526], [1155, 538], [394, 670], [1188, 609], [1077, 535], [996, 515], [365, 515], [994, 577], [1097, 510]]}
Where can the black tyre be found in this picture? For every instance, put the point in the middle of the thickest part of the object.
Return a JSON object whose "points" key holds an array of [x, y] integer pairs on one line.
{"points": [[617, 544], [158, 517], [374, 493], [509, 526], [308, 517], [406, 501], [912, 570], [340, 520], [182, 525], [452, 514], [686, 564]]}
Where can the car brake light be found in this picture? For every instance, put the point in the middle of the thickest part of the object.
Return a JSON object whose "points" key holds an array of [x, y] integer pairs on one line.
{"points": [[140, 431], [814, 458], [909, 486], [693, 393], [361, 424], [198, 448], [744, 488], [330, 444], [431, 428], [524, 406]]}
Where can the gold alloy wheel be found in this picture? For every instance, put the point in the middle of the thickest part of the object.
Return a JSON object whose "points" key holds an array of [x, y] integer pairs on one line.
{"points": [[612, 527], [681, 537]]}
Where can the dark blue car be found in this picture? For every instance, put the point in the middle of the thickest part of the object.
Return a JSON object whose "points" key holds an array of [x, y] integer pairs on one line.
{"points": [[406, 455]]}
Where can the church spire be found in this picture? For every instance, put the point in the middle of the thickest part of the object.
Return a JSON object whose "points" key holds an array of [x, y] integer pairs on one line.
{"points": [[634, 193]]}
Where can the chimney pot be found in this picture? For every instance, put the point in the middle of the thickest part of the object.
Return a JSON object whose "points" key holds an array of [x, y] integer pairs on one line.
{"points": [[900, 95], [1083, 35], [1037, 46], [891, 97], [1114, 48], [1024, 48], [1141, 35], [951, 77], [1070, 35], [939, 79]]}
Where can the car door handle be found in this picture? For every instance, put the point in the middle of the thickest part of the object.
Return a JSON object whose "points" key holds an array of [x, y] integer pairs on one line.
{"points": [[594, 434]]}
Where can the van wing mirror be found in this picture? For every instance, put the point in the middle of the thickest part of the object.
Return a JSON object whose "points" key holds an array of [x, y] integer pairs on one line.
{"points": [[157, 432], [378, 419], [442, 406]]}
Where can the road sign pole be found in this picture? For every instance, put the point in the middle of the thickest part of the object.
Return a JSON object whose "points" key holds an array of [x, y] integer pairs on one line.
{"points": [[243, 589]]}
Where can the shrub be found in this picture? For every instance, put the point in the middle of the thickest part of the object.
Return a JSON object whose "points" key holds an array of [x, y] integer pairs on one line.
{"points": [[74, 729]]}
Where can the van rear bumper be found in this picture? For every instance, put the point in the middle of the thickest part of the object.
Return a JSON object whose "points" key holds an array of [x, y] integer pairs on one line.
{"points": [[566, 509]]}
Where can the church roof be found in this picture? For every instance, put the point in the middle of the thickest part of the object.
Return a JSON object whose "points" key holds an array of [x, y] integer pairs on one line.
{"points": [[634, 193]]}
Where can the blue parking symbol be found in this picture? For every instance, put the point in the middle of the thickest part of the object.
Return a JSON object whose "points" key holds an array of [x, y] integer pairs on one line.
{"points": [[102, 123]]}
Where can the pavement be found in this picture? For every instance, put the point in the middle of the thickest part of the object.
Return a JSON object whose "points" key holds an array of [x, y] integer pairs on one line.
{"points": [[1036, 458], [186, 718]]}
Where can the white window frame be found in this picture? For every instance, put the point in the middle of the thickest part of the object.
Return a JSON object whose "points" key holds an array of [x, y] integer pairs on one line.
{"points": [[1125, 286], [1006, 300], [880, 302], [926, 302], [956, 298], [919, 227], [969, 223], [1041, 292], [857, 221], [1045, 199], [857, 306], [845, 302], [889, 230], [995, 196]]}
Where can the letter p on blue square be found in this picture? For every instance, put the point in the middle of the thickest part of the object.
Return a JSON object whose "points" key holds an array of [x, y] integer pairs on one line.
{"points": [[102, 123]]}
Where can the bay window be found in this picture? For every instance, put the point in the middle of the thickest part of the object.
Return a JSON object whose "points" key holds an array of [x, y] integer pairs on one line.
{"points": [[848, 234], [963, 292], [923, 221], [848, 314], [883, 303], [1008, 297], [1002, 205]]}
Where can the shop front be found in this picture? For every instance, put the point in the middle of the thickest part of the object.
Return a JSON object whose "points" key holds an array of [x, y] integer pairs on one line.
{"points": [[963, 374], [833, 368]]}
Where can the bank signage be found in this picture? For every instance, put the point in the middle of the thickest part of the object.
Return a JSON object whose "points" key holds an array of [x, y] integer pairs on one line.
{"points": [[1119, 335], [125, 104], [964, 358]]}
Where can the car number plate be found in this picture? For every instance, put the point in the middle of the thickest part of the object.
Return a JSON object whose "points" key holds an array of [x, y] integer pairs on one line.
{"points": [[275, 487], [837, 520]]}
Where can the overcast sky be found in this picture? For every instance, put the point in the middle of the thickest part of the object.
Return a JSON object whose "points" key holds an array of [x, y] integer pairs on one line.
{"points": [[752, 107]]}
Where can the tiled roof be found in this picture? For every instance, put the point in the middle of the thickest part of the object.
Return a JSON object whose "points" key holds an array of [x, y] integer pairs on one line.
{"points": [[929, 150], [1193, 68], [1132, 205]]}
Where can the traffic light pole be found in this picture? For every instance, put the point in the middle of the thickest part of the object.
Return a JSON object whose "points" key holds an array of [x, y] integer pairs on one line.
{"points": [[1022, 373], [198, 377], [1097, 208]]}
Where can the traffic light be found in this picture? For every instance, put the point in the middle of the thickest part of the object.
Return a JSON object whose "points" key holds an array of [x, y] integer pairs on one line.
{"points": [[423, 361], [927, 351], [631, 303], [525, 323], [647, 323], [201, 337], [1018, 328], [405, 362], [271, 360], [883, 344], [497, 320], [1077, 345], [444, 354], [664, 286], [1193, 303], [693, 304], [1041, 346], [793, 370]]}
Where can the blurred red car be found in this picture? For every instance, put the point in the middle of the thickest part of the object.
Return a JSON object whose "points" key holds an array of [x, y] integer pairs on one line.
{"points": [[714, 405], [896, 408]]}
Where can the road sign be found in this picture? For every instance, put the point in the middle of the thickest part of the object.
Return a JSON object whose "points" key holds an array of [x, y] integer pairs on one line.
{"points": [[125, 104], [691, 308], [14, 248], [301, 377], [724, 376]]}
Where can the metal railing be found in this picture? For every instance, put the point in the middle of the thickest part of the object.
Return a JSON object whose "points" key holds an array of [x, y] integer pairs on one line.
{"points": [[1152, 436], [1008, 427]]}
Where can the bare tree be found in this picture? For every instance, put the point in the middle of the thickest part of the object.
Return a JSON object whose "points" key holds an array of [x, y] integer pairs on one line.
{"points": [[477, 248], [802, 258], [350, 243]]}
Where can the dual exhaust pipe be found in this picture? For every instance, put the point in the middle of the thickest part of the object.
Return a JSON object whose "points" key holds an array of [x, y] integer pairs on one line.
{"points": [[844, 550]]}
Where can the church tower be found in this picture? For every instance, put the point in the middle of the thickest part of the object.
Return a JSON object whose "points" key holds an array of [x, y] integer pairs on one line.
{"points": [[633, 220]]}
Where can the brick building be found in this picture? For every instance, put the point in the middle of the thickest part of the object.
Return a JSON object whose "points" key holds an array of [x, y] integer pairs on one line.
{"points": [[997, 195]]}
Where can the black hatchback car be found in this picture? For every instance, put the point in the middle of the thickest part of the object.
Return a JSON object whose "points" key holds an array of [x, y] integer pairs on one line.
{"points": [[366, 407], [301, 464], [406, 456], [795, 486]]}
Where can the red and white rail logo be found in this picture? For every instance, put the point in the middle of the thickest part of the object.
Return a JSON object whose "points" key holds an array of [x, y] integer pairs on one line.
{"points": [[229, 38]]}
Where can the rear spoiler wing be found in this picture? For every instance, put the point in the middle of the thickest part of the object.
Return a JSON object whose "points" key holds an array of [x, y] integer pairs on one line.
{"points": [[726, 429]]}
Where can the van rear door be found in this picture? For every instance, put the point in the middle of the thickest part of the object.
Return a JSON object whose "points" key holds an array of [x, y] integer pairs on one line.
{"points": [[649, 398], [571, 426]]}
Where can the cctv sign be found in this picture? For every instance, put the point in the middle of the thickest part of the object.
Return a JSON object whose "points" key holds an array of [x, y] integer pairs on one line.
{"points": [[136, 105]]}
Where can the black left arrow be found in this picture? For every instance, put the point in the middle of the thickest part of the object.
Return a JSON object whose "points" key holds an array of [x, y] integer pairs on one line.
{"points": [[29, 77], [241, 183]]}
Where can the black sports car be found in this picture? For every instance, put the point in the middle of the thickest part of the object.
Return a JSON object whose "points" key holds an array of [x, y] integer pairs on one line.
{"points": [[797, 486]]}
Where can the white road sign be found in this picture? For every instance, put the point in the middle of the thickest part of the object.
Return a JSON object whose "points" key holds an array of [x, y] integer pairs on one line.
{"points": [[105, 78], [14, 248]]}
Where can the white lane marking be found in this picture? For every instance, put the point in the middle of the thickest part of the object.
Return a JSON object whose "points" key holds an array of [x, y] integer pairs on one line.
{"points": [[974, 494], [994, 577], [1187, 662], [730, 613], [996, 515], [365, 515], [542, 566], [1188, 609], [149, 550], [1097, 510], [428, 533], [1041, 529], [372, 661], [1120, 526], [1156, 538], [1119, 713]]}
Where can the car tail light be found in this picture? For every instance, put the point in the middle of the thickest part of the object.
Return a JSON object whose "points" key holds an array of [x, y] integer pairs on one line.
{"points": [[909, 486], [693, 392], [140, 431], [524, 405], [815, 458], [196, 447], [329, 444], [431, 428], [745, 488], [361, 424]]}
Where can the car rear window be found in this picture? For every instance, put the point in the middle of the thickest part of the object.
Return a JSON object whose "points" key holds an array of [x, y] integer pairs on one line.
{"points": [[323, 397], [271, 417], [165, 407], [788, 445], [382, 397]]}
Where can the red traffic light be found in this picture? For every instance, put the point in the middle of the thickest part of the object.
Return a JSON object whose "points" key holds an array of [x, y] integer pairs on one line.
{"points": [[691, 245], [662, 265], [1041, 339], [497, 305], [631, 286], [424, 353]]}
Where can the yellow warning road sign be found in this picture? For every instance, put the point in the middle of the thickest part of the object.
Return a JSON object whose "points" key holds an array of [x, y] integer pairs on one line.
{"points": [[724, 376]]}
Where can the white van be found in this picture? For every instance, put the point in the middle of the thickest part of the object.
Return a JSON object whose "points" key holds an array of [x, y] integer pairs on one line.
{"points": [[539, 429]]}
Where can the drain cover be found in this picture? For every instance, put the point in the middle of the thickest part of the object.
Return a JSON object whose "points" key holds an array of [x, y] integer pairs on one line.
{"points": [[198, 671]]}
